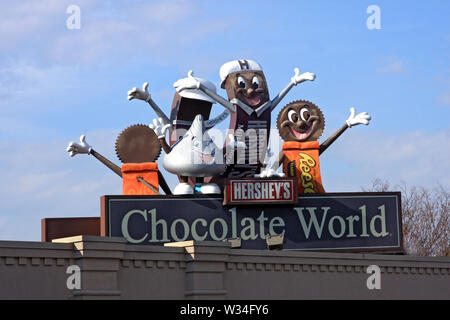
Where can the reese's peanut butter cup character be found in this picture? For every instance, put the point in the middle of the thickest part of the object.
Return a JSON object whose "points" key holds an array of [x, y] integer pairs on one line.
{"points": [[301, 159], [300, 124], [137, 147]]}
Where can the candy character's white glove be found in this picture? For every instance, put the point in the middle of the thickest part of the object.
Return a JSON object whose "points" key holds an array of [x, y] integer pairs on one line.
{"points": [[361, 118], [187, 83], [78, 148], [299, 78], [268, 173], [159, 127], [136, 93]]}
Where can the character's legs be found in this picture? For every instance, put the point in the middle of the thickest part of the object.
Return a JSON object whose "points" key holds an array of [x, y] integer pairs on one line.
{"points": [[210, 188], [205, 188], [198, 184], [184, 187]]}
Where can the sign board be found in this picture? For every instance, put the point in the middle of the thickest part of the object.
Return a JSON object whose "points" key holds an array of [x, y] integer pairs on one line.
{"points": [[332, 221], [260, 191]]}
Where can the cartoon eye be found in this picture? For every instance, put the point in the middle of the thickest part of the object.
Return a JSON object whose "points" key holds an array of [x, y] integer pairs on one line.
{"points": [[305, 114], [197, 144], [255, 83], [292, 116], [241, 83]]}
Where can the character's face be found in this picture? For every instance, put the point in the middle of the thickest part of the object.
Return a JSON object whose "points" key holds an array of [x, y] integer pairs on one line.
{"points": [[248, 86], [300, 121], [204, 149]]}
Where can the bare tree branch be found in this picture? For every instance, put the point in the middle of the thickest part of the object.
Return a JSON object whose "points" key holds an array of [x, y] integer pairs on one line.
{"points": [[426, 221]]}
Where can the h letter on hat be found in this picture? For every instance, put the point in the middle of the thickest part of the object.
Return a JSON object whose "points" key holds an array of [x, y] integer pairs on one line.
{"points": [[243, 63]]}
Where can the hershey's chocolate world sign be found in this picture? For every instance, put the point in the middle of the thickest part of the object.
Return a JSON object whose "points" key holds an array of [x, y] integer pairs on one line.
{"points": [[344, 221]]}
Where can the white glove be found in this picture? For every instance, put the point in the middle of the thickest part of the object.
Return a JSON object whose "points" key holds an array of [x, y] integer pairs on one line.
{"points": [[299, 78], [136, 93], [361, 118], [187, 83], [268, 173], [82, 147], [159, 127]]}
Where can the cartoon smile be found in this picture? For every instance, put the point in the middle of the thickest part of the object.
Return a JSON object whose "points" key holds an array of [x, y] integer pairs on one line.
{"points": [[250, 88], [252, 100], [302, 133], [206, 157]]}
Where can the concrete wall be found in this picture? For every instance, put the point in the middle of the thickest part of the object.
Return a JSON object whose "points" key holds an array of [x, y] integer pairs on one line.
{"points": [[112, 269]]}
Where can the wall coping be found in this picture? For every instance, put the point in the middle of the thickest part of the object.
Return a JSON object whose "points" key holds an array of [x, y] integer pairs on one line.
{"points": [[180, 247]]}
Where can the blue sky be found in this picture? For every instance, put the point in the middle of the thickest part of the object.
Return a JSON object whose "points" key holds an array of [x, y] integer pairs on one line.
{"points": [[56, 84]]}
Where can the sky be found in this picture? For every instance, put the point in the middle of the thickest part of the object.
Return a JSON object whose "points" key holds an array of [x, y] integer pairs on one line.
{"points": [[58, 82]]}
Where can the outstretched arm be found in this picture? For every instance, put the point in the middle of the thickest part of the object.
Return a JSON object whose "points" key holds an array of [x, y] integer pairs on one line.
{"points": [[83, 147], [353, 120], [191, 83], [144, 95], [331, 139], [295, 80], [160, 129]]}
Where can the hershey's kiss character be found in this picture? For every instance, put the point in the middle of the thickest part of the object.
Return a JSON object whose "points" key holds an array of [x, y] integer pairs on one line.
{"points": [[193, 155]]}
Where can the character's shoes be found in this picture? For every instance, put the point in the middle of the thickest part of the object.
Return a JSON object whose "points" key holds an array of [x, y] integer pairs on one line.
{"points": [[183, 188], [209, 188]]}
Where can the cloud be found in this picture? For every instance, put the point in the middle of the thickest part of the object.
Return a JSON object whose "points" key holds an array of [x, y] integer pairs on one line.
{"points": [[40, 180], [21, 20], [156, 30], [417, 158], [21, 81], [392, 65], [41, 60]]}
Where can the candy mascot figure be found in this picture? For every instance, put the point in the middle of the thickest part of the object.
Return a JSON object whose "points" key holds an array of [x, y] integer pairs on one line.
{"points": [[300, 124]]}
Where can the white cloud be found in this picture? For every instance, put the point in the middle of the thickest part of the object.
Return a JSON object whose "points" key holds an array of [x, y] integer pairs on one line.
{"points": [[358, 157], [23, 81], [393, 65], [40, 180], [21, 20], [160, 30]]}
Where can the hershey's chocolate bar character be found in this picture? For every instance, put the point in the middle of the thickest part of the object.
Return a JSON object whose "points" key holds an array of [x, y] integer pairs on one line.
{"points": [[250, 107]]}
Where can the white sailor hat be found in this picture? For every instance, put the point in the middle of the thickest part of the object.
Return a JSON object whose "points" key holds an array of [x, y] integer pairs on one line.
{"points": [[236, 66], [197, 94]]}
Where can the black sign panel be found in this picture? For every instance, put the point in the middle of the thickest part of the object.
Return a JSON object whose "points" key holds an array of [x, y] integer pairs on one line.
{"points": [[344, 221]]}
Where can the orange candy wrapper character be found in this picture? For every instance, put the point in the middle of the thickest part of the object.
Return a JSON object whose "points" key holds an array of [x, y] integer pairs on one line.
{"points": [[137, 177], [301, 160]]}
